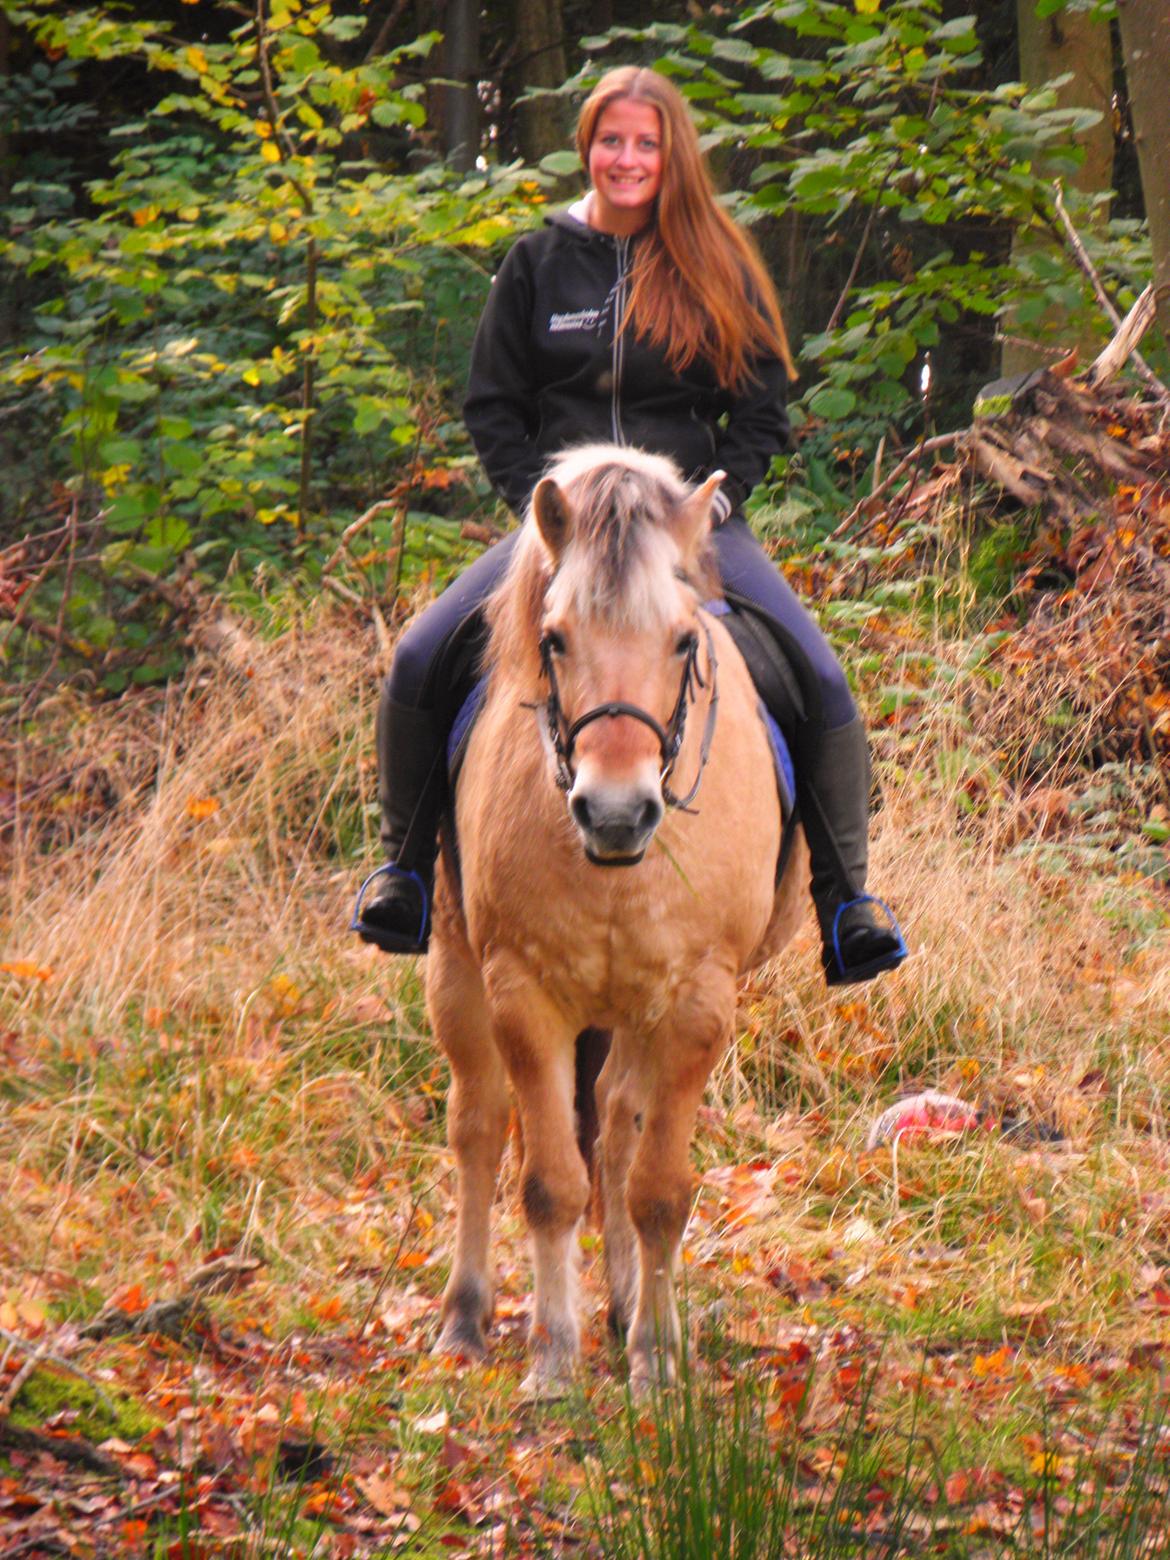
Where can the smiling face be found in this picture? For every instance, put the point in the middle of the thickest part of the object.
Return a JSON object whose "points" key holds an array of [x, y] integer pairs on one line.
{"points": [[625, 166]]}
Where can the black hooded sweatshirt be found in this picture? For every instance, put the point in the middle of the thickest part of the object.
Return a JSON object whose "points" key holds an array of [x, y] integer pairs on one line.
{"points": [[548, 372]]}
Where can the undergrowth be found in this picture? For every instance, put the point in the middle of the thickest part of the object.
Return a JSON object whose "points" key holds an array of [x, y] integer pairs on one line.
{"points": [[954, 1346]]}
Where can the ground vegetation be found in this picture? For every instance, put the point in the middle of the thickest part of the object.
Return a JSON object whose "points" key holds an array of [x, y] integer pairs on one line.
{"points": [[239, 279]]}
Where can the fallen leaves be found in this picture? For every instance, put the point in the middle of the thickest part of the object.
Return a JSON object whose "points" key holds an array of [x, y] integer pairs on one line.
{"points": [[747, 1192], [25, 969], [21, 1314], [387, 1497]]}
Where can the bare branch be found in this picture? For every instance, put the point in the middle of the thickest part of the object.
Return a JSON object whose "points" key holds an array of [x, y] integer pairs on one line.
{"points": [[914, 458], [39, 1353], [383, 36], [1081, 256], [357, 525], [839, 306], [1131, 330], [281, 136]]}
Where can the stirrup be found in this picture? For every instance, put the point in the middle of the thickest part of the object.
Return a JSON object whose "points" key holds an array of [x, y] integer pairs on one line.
{"points": [[851, 974], [382, 936]]}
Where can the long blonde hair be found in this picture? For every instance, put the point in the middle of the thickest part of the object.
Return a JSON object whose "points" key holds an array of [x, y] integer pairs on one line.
{"points": [[699, 287]]}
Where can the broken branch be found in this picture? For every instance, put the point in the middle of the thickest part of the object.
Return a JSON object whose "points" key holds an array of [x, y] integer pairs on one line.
{"points": [[1081, 256], [1112, 358], [923, 447]]}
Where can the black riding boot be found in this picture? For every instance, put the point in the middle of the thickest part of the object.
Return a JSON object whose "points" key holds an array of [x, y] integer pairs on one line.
{"points": [[834, 807], [411, 789]]}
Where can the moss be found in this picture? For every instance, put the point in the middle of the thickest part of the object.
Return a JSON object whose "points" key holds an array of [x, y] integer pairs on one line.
{"points": [[97, 1417]]}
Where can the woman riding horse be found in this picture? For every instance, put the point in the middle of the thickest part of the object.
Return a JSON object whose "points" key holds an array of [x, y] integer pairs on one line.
{"points": [[641, 315]]}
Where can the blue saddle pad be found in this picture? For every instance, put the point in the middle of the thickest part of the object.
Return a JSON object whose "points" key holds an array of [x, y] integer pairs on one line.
{"points": [[461, 730], [782, 760], [781, 756]]}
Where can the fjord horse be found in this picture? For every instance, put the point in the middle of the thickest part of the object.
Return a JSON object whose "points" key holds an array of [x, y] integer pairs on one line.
{"points": [[618, 830]]}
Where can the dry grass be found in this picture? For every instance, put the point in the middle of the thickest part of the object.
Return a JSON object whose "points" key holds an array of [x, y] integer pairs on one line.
{"points": [[220, 861], [211, 900], [200, 1057]]}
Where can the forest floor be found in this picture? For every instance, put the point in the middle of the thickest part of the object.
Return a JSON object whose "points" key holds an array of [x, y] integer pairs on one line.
{"points": [[226, 1203]]}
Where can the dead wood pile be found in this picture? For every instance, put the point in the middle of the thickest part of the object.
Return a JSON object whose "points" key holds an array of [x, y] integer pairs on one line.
{"points": [[1081, 466], [1087, 672]]}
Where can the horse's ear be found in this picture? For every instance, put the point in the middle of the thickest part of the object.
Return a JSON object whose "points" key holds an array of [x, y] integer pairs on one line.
{"points": [[552, 516], [695, 517]]}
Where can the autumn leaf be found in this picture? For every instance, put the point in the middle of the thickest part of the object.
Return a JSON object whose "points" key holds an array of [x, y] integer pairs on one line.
{"points": [[986, 1366], [287, 996], [132, 1300], [200, 807], [24, 969], [383, 1492]]}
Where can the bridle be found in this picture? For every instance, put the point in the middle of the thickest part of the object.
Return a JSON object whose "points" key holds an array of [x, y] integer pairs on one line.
{"points": [[670, 737]]}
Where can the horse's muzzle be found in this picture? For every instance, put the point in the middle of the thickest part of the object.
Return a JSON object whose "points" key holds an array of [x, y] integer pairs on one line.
{"points": [[616, 826]]}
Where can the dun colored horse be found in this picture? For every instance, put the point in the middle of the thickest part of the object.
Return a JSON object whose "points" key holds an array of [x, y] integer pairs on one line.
{"points": [[618, 830]]}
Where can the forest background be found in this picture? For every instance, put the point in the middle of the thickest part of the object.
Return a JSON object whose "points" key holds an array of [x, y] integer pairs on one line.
{"points": [[244, 255], [243, 249]]}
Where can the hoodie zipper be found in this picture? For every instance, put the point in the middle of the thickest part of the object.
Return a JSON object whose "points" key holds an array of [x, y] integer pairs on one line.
{"points": [[619, 340]]}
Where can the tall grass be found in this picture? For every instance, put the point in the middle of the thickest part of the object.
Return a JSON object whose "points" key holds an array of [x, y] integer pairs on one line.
{"points": [[199, 1056], [717, 1469]]}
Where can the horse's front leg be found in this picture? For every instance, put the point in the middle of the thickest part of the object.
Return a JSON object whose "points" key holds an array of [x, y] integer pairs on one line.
{"points": [[539, 1049], [678, 1062], [478, 1109]]}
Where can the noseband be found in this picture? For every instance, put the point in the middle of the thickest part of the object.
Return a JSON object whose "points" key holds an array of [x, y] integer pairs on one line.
{"points": [[670, 737]]}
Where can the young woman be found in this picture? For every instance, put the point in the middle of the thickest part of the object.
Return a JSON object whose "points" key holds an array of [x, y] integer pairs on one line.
{"points": [[641, 315]]}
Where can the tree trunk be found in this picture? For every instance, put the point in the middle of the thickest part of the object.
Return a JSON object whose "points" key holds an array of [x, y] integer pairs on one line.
{"points": [[1145, 45], [5, 150], [541, 125], [1072, 43], [460, 127]]}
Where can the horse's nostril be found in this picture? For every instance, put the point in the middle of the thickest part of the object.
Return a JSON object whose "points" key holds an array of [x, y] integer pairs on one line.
{"points": [[579, 807], [651, 814]]}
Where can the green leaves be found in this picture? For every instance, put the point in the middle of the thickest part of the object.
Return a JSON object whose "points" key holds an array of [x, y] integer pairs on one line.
{"points": [[222, 324], [561, 164], [877, 132], [832, 402]]}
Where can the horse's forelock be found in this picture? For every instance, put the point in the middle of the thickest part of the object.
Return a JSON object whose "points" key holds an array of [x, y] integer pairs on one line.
{"points": [[621, 560], [621, 547], [626, 583]]}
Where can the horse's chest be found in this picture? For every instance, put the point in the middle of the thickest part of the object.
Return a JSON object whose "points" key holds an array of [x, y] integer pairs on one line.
{"points": [[610, 962]]}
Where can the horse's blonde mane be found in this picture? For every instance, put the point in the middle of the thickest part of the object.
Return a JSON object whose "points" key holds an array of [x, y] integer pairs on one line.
{"points": [[622, 501]]}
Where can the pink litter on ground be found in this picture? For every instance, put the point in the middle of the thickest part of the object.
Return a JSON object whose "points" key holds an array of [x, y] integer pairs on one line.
{"points": [[929, 1117]]}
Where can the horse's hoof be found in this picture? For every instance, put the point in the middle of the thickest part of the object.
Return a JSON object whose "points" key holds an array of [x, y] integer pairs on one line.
{"points": [[548, 1381], [617, 1322], [648, 1376], [461, 1339]]}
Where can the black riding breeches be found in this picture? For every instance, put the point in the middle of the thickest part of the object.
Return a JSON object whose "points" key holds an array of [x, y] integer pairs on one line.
{"points": [[417, 676]]}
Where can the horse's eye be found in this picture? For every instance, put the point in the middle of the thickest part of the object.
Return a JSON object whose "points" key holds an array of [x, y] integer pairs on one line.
{"points": [[687, 643], [552, 643]]}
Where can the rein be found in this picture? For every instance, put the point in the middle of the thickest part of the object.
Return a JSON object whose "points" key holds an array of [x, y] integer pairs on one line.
{"points": [[670, 737]]}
